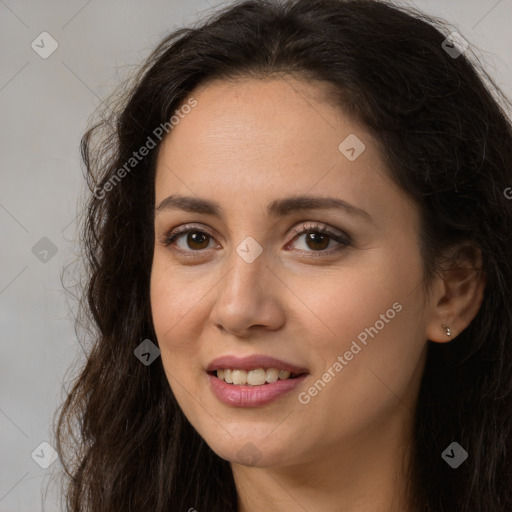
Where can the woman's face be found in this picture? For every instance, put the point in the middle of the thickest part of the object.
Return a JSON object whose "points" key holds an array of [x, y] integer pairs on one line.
{"points": [[255, 280]]}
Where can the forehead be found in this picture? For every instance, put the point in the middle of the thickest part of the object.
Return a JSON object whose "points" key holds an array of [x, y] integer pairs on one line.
{"points": [[251, 125], [264, 139]]}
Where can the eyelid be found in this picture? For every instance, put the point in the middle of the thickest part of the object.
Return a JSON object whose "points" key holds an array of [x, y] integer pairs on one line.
{"points": [[341, 238], [182, 230], [188, 227], [317, 227]]}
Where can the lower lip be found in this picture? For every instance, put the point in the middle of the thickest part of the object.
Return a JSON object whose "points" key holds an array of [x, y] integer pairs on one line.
{"points": [[252, 396]]}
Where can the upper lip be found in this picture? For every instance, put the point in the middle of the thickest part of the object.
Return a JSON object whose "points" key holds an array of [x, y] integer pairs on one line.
{"points": [[251, 363]]}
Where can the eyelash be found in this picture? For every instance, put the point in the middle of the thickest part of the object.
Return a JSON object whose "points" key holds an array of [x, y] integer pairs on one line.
{"points": [[344, 240]]}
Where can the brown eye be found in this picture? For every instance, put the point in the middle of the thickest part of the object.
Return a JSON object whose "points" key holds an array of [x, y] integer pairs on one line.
{"points": [[317, 241], [196, 240], [188, 240], [318, 238]]}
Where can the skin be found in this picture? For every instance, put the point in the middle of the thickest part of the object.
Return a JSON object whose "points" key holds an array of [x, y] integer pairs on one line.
{"points": [[246, 143]]}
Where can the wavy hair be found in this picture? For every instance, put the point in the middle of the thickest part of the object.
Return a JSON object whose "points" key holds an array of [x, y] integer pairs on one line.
{"points": [[445, 134]]}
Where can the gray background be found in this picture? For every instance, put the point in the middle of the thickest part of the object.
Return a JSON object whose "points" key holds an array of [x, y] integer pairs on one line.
{"points": [[45, 105]]}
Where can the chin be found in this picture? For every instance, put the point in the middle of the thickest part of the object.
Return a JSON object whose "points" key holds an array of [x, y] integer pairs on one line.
{"points": [[249, 451]]}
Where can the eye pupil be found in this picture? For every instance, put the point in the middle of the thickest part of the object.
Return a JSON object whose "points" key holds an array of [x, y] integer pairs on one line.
{"points": [[317, 240], [192, 238], [312, 237]]}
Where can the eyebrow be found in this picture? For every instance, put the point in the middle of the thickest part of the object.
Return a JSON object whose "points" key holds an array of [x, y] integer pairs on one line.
{"points": [[277, 208]]}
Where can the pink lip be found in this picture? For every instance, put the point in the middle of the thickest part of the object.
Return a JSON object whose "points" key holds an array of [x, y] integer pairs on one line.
{"points": [[252, 396], [251, 363]]}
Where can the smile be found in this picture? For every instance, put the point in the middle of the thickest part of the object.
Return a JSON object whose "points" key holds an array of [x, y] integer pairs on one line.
{"points": [[256, 377], [252, 381]]}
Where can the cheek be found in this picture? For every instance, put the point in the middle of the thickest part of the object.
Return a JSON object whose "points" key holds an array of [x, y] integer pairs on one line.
{"points": [[366, 296], [373, 313], [375, 319], [176, 304]]}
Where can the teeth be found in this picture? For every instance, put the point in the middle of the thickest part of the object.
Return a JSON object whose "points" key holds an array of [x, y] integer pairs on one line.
{"points": [[239, 377], [256, 377], [272, 375], [283, 374]]}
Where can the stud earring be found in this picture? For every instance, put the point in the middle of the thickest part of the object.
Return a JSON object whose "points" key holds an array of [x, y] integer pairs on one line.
{"points": [[447, 330]]}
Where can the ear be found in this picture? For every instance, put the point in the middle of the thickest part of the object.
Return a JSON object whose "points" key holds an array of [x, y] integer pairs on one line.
{"points": [[457, 294]]}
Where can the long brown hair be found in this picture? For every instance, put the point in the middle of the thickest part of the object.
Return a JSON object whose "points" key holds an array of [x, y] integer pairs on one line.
{"points": [[445, 136]]}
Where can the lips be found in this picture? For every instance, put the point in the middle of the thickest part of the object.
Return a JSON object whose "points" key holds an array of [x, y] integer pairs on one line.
{"points": [[236, 395], [252, 363]]}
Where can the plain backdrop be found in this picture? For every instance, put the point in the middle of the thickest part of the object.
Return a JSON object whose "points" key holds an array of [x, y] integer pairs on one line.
{"points": [[45, 106]]}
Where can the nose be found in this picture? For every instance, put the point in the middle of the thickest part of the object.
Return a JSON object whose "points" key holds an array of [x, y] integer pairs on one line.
{"points": [[249, 298]]}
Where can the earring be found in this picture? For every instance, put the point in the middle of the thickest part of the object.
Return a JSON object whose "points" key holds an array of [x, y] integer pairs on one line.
{"points": [[447, 330]]}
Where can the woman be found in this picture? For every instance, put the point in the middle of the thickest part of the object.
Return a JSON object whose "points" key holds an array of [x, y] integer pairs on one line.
{"points": [[298, 244]]}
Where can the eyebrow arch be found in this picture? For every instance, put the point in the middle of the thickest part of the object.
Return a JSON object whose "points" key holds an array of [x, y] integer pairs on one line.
{"points": [[277, 208]]}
